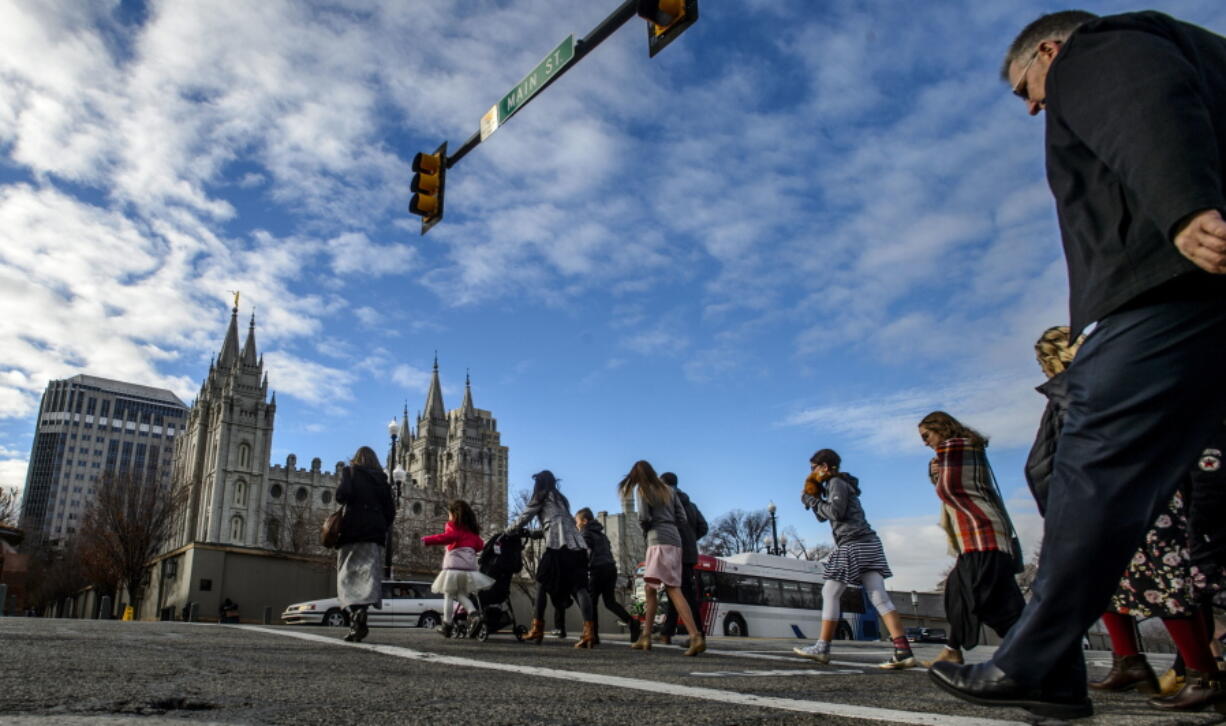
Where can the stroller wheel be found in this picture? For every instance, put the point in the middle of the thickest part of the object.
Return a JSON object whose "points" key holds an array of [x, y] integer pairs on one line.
{"points": [[520, 631], [483, 632]]}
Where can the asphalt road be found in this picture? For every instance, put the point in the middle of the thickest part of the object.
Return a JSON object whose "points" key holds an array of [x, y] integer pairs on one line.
{"points": [[109, 672]]}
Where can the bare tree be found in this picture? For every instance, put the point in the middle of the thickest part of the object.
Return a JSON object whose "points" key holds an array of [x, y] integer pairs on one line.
{"points": [[10, 506], [54, 572], [124, 528], [735, 532], [796, 546]]}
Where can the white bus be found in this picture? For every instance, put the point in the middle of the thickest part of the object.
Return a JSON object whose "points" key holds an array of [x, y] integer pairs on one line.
{"points": [[773, 597]]}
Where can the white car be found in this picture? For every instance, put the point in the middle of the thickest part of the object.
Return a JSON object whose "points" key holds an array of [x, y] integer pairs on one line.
{"points": [[406, 604]]}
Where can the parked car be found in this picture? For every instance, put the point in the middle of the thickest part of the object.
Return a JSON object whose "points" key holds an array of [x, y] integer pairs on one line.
{"points": [[926, 635], [406, 604]]}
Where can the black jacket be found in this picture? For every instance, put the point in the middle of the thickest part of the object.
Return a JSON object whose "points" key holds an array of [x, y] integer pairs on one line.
{"points": [[369, 509], [599, 552], [1136, 142], [695, 529], [1043, 452]]}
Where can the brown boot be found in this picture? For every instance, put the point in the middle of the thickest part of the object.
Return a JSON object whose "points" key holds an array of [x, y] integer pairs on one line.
{"points": [[953, 655], [588, 638], [1201, 691], [536, 633], [1131, 671], [644, 641], [697, 644]]}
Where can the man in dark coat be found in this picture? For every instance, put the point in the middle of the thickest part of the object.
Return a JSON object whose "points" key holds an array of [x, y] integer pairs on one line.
{"points": [[695, 528], [1136, 151]]}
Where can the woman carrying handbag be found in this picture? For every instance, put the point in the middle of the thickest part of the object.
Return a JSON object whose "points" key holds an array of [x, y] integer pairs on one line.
{"points": [[367, 515]]}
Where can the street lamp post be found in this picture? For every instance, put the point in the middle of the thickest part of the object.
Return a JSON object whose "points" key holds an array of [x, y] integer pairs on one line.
{"points": [[774, 549], [915, 608], [393, 428]]}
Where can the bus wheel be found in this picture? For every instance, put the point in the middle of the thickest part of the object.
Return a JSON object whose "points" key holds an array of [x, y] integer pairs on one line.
{"points": [[843, 632], [734, 626]]}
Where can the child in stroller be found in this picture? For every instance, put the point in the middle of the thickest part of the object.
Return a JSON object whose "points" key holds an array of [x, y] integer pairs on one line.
{"points": [[501, 558]]}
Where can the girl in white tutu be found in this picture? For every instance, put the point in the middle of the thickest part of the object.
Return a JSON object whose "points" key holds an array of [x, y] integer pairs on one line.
{"points": [[460, 577]]}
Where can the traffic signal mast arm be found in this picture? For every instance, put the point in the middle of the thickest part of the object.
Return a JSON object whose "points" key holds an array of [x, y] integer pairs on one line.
{"points": [[666, 20], [583, 46]]}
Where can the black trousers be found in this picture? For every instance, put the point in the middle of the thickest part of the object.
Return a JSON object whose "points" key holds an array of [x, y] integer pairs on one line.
{"points": [[689, 586], [1145, 392], [602, 582]]}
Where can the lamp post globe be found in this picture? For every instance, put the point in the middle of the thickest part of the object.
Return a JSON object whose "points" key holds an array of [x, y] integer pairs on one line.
{"points": [[393, 428]]}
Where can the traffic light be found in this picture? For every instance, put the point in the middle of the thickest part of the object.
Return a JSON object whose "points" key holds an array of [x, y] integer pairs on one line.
{"points": [[666, 19], [429, 176]]}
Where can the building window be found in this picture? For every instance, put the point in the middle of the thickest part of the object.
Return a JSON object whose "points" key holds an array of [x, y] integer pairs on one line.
{"points": [[274, 532], [236, 528], [240, 493], [244, 455], [275, 491], [302, 494], [417, 509], [326, 497]]}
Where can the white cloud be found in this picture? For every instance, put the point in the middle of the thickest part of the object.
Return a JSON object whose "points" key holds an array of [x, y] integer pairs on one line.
{"points": [[310, 381], [414, 379], [13, 472], [1001, 406]]}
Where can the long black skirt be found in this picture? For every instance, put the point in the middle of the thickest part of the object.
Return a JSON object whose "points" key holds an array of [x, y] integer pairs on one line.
{"points": [[561, 571], [981, 590]]}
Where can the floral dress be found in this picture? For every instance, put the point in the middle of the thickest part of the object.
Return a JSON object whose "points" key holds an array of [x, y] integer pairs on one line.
{"points": [[1157, 582]]}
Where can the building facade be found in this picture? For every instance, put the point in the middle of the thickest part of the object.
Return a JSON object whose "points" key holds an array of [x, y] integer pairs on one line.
{"points": [[448, 455], [89, 427], [235, 499]]}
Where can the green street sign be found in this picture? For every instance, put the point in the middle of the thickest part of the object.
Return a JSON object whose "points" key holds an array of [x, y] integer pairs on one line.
{"points": [[532, 83]]}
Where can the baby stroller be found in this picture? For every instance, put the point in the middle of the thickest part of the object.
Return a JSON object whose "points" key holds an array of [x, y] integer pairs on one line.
{"points": [[501, 558]]}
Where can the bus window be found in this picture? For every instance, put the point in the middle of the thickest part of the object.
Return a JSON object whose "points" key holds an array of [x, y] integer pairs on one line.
{"points": [[706, 584], [748, 590], [793, 596], [770, 593], [725, 587], [811, 596]]}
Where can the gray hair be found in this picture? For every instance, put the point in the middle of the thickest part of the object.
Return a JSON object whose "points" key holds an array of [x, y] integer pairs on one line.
{"points": [[1053, 26]]}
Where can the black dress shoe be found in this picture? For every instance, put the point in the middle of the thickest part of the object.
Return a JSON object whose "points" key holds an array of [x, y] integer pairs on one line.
{"points": [[987, 685]]}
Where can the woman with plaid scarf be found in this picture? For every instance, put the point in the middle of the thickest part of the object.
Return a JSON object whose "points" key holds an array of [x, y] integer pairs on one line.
{"points": [[981, 588]]}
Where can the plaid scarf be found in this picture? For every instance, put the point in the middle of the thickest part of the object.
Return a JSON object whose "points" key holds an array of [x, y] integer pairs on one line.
{"points": [[972, 515]]}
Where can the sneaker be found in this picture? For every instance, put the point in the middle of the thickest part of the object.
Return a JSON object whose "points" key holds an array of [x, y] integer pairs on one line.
{"points": [[558, 634], [812, 653], [901, 659]]}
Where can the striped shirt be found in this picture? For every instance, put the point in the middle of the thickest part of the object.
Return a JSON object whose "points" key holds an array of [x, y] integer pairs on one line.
{"points": [[972, 516]]}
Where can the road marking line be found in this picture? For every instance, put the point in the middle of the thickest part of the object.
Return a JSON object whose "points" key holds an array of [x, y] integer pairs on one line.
{"points": [[762, 655], [866, 713]]}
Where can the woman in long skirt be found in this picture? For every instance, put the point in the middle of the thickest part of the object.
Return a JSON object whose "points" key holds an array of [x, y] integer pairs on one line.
{"points": [[369, 512]]}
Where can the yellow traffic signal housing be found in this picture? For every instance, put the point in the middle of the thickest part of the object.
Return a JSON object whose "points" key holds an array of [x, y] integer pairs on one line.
{"points": [[666, 19], [428, 185]]}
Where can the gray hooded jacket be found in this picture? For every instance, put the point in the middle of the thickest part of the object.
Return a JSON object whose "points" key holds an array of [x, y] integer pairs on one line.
{"points": [[839, 504]]}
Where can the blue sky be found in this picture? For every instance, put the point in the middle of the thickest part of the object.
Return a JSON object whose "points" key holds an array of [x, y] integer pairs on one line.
{"points": [[802, 225]]}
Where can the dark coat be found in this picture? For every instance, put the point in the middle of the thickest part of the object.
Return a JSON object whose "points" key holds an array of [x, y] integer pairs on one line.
{"points": [[1136, 142], [599, 552], [695, 529], [1043, 452], [369, 510]]}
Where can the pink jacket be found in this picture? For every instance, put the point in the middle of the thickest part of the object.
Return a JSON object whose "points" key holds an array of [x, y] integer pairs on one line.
{"points": [[454, 536]]}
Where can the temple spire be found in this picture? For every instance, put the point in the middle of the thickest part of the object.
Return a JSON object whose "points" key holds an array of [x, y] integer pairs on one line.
{"points": [[434, 397], [229, 348], [249, 356], [467, 407]]}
